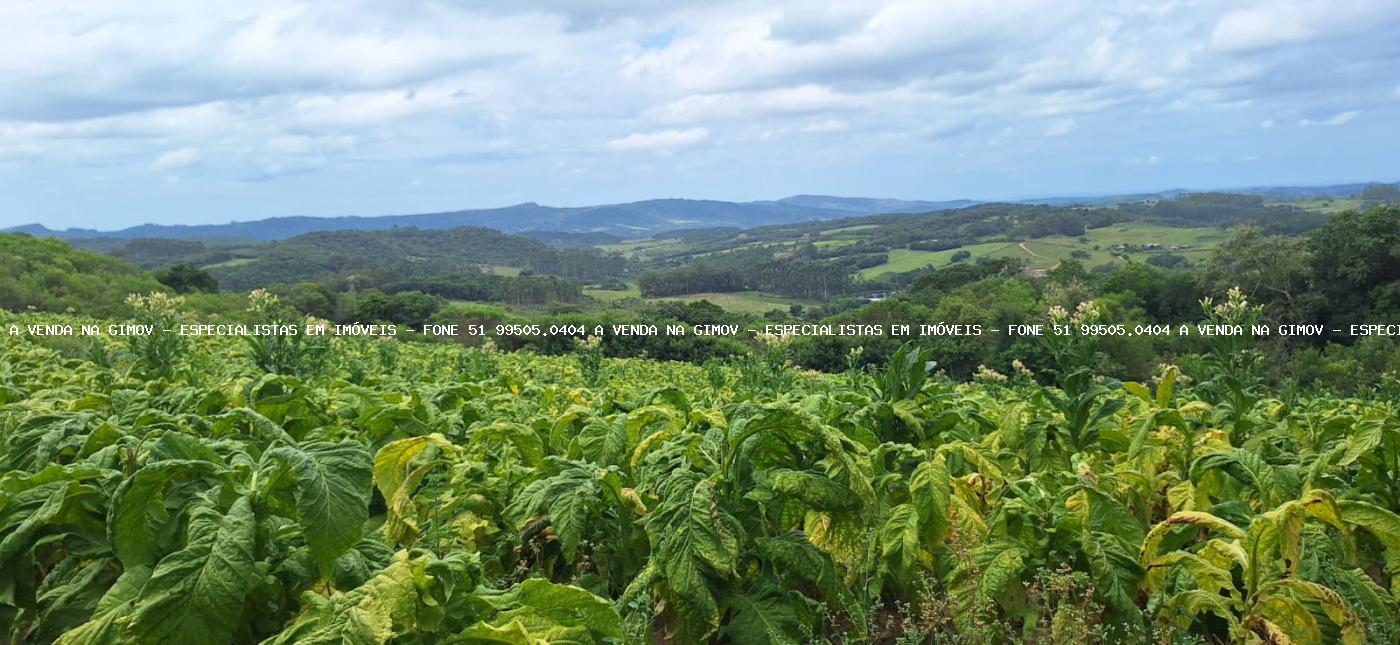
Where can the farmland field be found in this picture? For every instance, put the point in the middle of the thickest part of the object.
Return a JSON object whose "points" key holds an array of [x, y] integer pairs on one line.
{"points": [[908, 260], [744, 302], [1045, 252], [357, 490], [613, 295]]}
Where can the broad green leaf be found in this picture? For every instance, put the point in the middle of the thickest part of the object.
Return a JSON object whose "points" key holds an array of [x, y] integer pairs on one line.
{"points": [[332, 489], [604, 444], [1138, 390], [816, 491], [1207, 575], [1291, 617], [1194, 602], [409, 596], [517, 633], [571, 499], [1383, 524], [19, 536], [541, 605], [1337, 609], [102, 626], [766, 616], [1250, 469], [696, 539], [138, 508], [524, 440], [1002, 563], [1116, 572], [930, 493], [196, 594], [1194, 518], [397, 483], [793, 555], [392, 461], [899, 538]]}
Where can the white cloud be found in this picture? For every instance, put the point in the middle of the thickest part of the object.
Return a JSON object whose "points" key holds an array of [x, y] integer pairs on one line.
{"points": [[1270, 24], [803, 99], [1059, 128], [1149, 160], [829, 125], [1261, 27], [271, 89], [1340, 118], [175, 159], [661, 140]]}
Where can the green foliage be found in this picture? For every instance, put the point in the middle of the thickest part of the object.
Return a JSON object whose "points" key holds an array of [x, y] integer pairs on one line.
{"points": [[425, 493], [157, 349], [184, 278], [291, 348], [48, 275]]}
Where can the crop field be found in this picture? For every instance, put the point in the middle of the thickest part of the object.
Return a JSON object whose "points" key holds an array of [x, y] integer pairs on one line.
{"points": [[315, 490], [850, 229], [235, 262], [1142, 234], [1328, 205], [743, 302], [1046, 252], [902, 260], [612, 295], [502, 270], [646, 248]]}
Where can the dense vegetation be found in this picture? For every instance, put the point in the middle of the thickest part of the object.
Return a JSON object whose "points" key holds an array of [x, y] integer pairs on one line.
{"points": [[1340, 273], [308, 489], [52, 276], [411, 252]]}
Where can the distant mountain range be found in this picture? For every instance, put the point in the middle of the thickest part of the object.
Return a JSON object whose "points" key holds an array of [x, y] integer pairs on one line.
{"points": [[634, 219]]}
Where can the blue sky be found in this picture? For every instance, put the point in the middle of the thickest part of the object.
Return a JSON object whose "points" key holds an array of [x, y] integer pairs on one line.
{"points": [[116, 113]]}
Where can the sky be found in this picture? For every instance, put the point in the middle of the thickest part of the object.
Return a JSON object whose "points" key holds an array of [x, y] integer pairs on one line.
{"points": [[116, 113]]}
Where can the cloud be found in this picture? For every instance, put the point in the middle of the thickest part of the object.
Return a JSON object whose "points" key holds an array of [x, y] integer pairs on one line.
{"points": [[1260, 28], [338, 106], [175, 159], [661, 140], [1277, 23], [1149, 160], [1340, 118], [829, 125], [799, 100], [1059, 128]]}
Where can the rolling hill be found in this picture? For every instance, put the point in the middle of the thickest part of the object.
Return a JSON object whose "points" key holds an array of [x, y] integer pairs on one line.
{"points": [[634, 219]]}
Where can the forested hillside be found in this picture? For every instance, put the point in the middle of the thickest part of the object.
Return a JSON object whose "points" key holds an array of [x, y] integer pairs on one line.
{"points": [[408, 252], [49, 275], [1147, 264]]}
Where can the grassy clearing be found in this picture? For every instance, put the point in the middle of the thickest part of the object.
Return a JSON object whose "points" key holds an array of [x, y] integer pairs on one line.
{"points": [[902, 260], [1326, 205], [608, 296], [849, 229], [642, 249], [1140, 234], [831, 244], [1046, 252], [502, 270], [235, 262], [742, 302]]}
